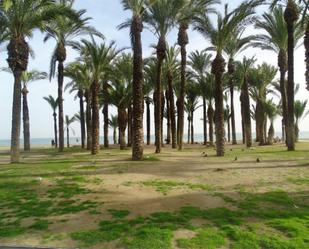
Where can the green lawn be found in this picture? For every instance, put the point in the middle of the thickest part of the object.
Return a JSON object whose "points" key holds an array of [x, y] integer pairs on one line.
{"points": [[174, 200]]}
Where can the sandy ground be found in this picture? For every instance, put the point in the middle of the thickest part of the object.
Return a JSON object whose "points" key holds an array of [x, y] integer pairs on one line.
{"points": [[122, 189]]}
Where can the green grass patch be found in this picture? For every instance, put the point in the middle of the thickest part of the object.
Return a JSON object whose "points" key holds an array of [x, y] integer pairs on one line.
{"points": [[119, 214], [40, 225]]}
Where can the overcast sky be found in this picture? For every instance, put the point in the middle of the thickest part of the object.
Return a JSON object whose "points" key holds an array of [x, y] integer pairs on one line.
{"points": [[106, 15]]}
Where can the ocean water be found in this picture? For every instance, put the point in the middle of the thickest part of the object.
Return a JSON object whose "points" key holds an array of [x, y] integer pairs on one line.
{"points": [[76, 140]]}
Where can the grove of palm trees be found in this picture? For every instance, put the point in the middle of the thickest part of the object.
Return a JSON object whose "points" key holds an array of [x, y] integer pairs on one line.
{"points": [[148, 124]]}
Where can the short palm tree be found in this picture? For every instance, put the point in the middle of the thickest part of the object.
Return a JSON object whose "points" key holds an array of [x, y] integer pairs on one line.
{"points": [[271, 110], [97, 58], [20, 18], [113, 122], [243, 70], [160, 17], [200, 62], [171, 68], [276, 39], [260, 80], [63, 30], [237, 44], [80, 82], [53, 103], [121, 92], [68, 122], [219, 35], [300, 113]]}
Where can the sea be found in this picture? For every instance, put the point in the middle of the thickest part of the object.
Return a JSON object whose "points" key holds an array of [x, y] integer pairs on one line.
{"points": [[76, 140]]}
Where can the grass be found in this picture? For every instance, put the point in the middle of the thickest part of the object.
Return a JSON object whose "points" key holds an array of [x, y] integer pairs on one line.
{"points": [[57, 189], [165, 187]]}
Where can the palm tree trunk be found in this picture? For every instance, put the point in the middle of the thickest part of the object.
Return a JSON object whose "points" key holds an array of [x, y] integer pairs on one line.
{"points": [[189, 131], [218, 70], [162, 118], [122, 120], [129, 126], [138, 94], [183, 41], [282, 62], [55, 129], [115, 136], [247, 115], [283, 130], [231, 72], [16, 118], [192, 128], [242, 117], [148, 121], [229, 129], [271, 133], [210, 114], [260, 123], [26, 121], [306, 44], [105, 114], [168, 118], [291, 16], [161, 49], [95, 118], [296, 132], [172, 110], [205, 121], [88, 119], [82, 117], [68, 137], [60, 101]]}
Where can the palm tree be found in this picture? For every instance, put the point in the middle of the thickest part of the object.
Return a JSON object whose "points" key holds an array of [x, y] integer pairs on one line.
{"points": [[186, 14], [20, 18], [276, 39], [244, 69], [299, 107], [98, 58], [237, 44], [207, 89], [160, 18], [271, 110], [68, 122], [260, 79], [138, 8], [171, 68], [121, 92], [63, 30], [54, 105], [200, 62], [79, 74], [113, 122], [219, 36]]}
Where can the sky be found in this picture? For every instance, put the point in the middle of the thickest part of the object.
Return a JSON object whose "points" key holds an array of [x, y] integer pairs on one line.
{"points": [[106, 16]]}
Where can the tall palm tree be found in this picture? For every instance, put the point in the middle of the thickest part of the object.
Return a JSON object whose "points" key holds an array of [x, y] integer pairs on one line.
{"points": [[113, 122], [20, 18], [219, 36], [200, 62], [237, 44], [98, 58], [121, 92], [54, 105], [189, 9], [160, 17], [300, 108], [138, 8], [68, 122], [275, 39], [63, 30], [208, 90], [79, 74]]}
